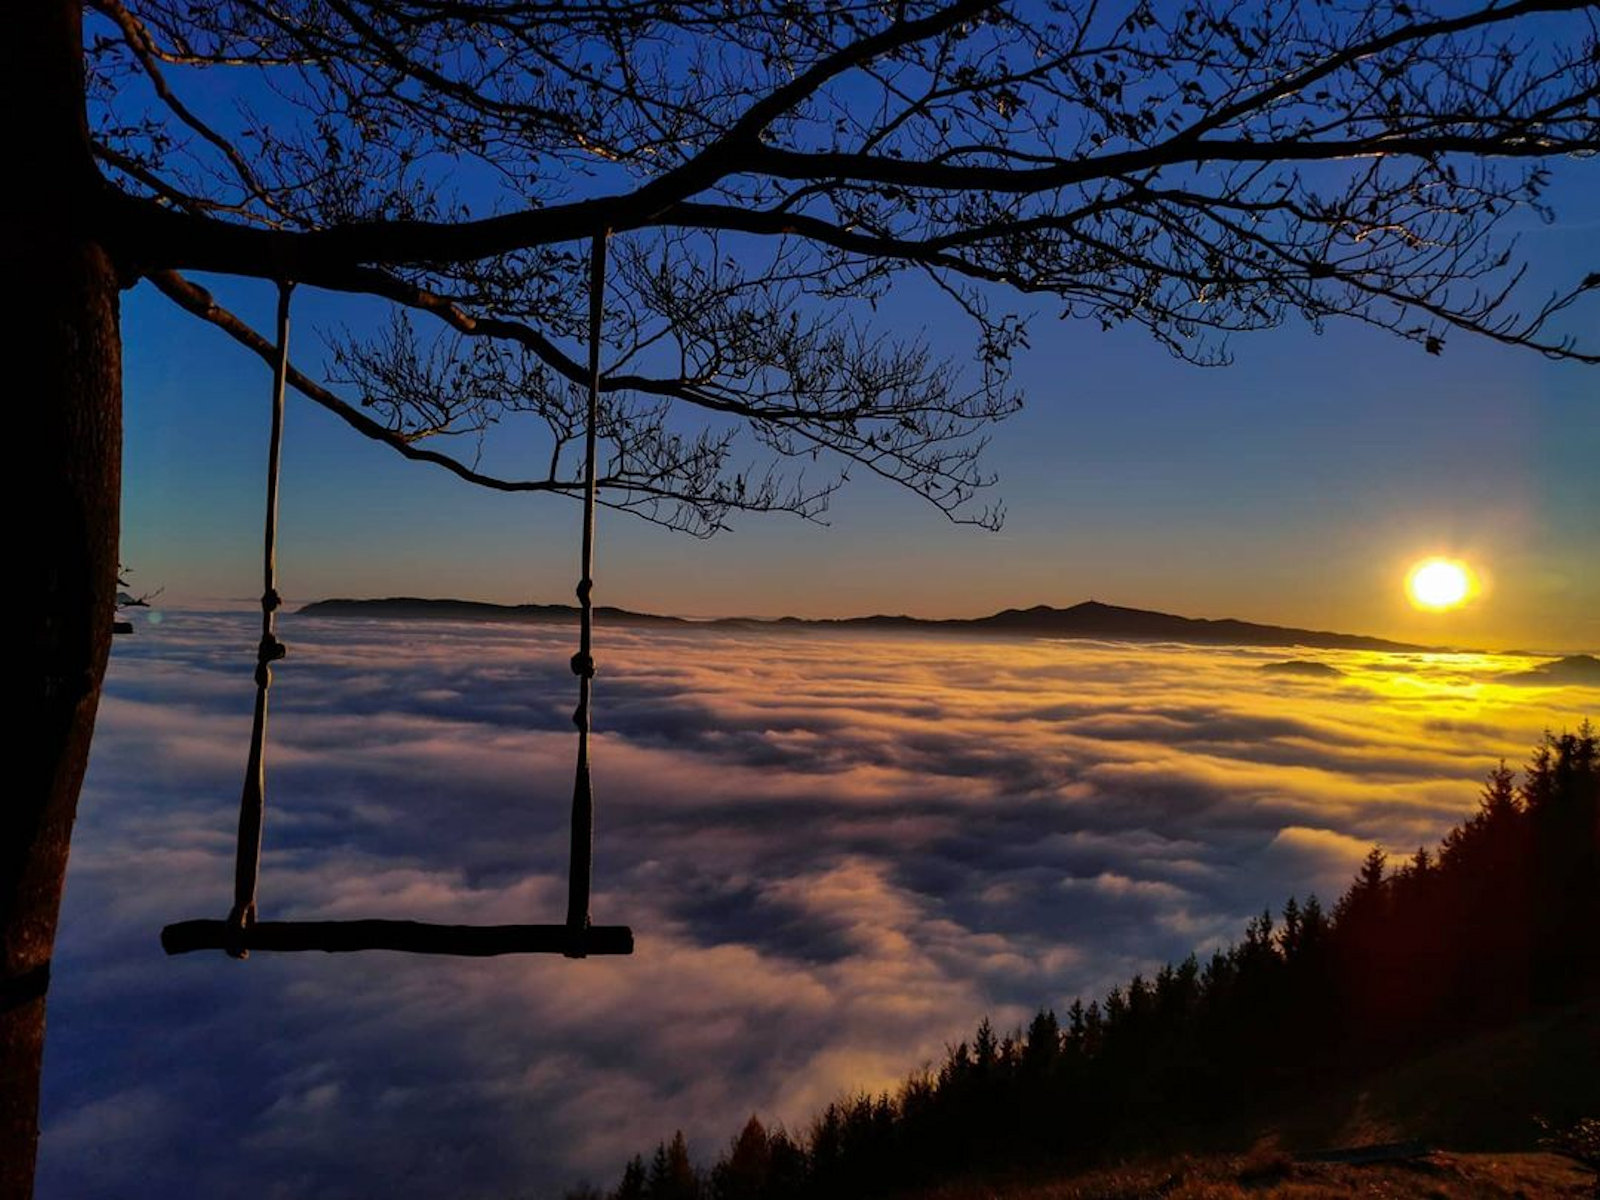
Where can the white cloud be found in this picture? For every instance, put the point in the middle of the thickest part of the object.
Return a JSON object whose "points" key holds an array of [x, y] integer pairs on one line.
{"points": [[837, 854]]}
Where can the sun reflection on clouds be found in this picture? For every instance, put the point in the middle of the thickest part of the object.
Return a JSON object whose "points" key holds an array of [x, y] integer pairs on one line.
{"points": [[837, 852]]}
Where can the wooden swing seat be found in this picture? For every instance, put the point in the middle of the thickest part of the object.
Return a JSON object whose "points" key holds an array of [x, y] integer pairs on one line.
{"points": [[409, 937]]}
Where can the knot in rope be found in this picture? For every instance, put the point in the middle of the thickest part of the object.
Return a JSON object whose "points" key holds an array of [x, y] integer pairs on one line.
{"points": [[269, 651], [583, 664], [271, 601]]}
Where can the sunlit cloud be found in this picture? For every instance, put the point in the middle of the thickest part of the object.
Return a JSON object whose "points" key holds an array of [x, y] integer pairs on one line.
{"points": [[837, 853]]}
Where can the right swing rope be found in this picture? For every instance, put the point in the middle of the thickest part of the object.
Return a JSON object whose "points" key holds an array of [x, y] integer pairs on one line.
{"points": [[582, 856]]}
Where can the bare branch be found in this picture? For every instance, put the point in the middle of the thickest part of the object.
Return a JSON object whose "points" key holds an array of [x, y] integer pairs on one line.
{"points": [[770, 173]]}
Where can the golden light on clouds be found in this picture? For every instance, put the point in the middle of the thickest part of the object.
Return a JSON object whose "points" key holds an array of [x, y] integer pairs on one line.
{"points": [[988, 824], [1437, 584]]}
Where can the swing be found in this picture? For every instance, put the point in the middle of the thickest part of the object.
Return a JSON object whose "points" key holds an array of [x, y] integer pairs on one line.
{"points": [[241, 932]]}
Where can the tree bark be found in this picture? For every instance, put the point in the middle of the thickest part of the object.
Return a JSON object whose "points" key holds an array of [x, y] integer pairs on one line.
{"points": [[64, 360]]}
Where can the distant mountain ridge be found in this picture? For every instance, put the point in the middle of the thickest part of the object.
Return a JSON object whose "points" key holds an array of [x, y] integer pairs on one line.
{"points": [[414, 608], [1090, 619]]}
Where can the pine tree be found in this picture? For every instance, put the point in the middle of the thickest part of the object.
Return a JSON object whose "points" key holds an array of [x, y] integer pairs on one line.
{"points": [[984, 1049], [1289, 934], [632, 1185], [672, 1175], [1043, 1045], [742, 1173], [1561, 795]]}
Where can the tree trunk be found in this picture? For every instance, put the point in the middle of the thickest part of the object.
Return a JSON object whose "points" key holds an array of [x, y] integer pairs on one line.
{"points": [[65, 366]]}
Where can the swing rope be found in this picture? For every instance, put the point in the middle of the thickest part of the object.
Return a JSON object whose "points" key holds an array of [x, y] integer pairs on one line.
{"points": [[577, 938], [582, 856], [252, 803]]}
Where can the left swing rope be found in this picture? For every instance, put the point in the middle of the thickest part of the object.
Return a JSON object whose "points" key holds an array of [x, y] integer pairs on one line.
{"points": [[252, 801]]}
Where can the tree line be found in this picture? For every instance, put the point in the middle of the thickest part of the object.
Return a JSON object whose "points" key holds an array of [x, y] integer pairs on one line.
{"points": [[1500, 921]]}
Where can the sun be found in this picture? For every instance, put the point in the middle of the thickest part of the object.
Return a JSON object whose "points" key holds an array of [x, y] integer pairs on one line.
{"points": [[1437, 584]]}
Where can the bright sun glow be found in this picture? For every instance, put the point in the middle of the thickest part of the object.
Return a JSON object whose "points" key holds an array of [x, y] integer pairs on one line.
{"points": [[1439, 583]]}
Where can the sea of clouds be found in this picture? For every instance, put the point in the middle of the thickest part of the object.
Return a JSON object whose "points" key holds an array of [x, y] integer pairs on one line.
{"points": [[837, 853]]}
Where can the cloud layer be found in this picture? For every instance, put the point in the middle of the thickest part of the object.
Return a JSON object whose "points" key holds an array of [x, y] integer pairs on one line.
{"points": [[836, 853]]}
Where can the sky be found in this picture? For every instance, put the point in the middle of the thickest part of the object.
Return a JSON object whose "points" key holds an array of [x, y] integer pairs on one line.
{"points": [[1295, 486], [837, 855]]}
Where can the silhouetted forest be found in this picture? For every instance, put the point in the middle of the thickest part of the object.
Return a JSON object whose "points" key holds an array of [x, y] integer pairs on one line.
{"points": [[1501, 921]]}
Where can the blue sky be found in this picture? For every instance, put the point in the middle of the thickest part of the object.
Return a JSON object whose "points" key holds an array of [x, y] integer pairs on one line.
{"points": [[1295, 485]]}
